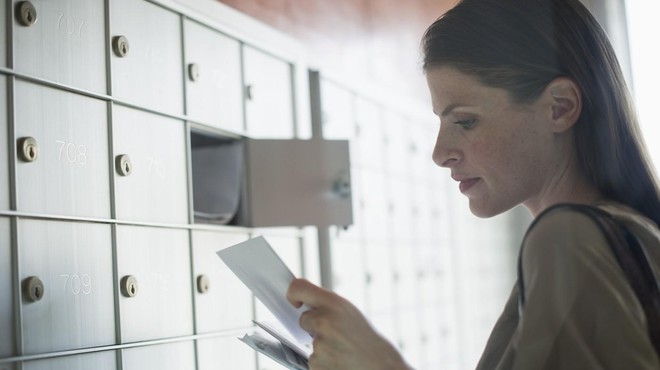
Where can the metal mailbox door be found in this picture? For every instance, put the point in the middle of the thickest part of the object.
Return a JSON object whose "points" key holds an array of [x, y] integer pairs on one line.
{"points": [[70, 174], [146, 63], [268, 95], [225, 353], [349, 271], [7, 348], [106, 360], [4, 145], [397, 144], [156, 188], [400, 228], [214, 93], [337, 111], [374, 206], [73, 261], [370, 138], [160, 304], [66, 44], [222, 301], [171, 356], [3, 35], [298, 183]]}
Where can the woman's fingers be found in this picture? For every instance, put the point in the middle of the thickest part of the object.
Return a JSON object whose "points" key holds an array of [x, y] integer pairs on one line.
{"points": [[302, 292]]}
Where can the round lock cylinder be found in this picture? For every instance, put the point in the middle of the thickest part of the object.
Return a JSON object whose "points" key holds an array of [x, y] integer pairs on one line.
{"points": [[120, 46], [33, 289], [123, 165], [203, 284], [28, 149], [26, 13], [129, 286]]}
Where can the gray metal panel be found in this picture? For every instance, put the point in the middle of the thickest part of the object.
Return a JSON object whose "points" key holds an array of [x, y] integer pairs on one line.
{"points": [[157, 188], [7, 348], [70, 175], [160, 261], [225, 353], [172, 356], [97, 361], [74, 262], [150, 75], [216, 96], [292, 182], [10, 366], [66, 44], [269, 101], [213, 310], [4, 145], [3, 36]]}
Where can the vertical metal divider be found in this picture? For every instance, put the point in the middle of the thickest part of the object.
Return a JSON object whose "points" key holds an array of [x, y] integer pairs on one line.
{"points": [[13, 185], [191, 211], [246, 180], [111, 178], [323, 232], [294, 98], [241, 53]]}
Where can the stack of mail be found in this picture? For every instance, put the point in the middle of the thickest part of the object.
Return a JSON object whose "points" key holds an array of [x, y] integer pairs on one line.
{"points": [[257, 265]]}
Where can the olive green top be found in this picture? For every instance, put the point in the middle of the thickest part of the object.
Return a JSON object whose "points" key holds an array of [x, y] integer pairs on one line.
{"points": [[580, 312]]}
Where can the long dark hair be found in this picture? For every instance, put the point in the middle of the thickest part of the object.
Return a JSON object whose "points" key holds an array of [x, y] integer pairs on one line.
{"points": [[521, 46]]}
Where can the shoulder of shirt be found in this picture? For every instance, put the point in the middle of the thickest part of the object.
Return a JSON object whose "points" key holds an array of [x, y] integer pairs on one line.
{"points": [[567, 231], [561, 228]]}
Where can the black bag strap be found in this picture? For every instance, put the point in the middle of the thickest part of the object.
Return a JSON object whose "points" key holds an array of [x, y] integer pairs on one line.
{"points": [[629, 253]]}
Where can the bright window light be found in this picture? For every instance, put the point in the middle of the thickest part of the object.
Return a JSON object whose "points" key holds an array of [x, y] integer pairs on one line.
{"points": [[643, 31]]}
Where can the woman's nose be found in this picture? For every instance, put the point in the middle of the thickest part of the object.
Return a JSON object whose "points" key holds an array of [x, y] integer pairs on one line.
{"points": [[444, 154]]}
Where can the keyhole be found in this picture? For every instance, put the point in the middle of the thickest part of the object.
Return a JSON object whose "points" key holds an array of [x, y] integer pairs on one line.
{"points": [[124, 49], [133, 289], [29, 16], [127, 168], [37, 292], [31, 152]]}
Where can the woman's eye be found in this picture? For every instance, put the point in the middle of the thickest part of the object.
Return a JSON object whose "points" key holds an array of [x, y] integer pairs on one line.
{"points": [[467, 123]]}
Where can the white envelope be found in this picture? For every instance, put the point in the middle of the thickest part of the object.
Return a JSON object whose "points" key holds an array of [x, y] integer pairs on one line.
{"points": [[258, 266]]}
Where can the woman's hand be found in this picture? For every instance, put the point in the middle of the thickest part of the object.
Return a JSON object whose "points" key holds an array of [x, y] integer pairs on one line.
{"points": [[343, 339]]}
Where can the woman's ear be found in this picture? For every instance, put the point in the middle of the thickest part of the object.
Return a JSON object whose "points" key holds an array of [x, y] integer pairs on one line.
{"points": [[565, 103]]}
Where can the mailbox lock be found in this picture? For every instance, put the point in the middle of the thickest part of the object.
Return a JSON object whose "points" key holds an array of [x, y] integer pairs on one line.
{"points": [[129, 287], [26, 13], [33, 289], [249, 92], [342, 186], [123, 165], [28, 150], [120, 46], [193, 71], [203, 284]]}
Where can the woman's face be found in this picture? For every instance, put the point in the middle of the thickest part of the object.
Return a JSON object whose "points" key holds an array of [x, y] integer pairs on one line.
{"points": [[501, 153]]}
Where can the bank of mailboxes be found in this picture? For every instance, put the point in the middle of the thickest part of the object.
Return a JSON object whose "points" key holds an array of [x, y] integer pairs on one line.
{"points": [[156, 160], [127, 128]]}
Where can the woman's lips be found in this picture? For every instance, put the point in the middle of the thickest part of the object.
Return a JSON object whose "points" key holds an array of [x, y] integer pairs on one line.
{"points": [[465, 185]]}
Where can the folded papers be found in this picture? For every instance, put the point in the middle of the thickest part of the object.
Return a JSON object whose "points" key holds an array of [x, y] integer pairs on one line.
{"points": [[257, 265]]}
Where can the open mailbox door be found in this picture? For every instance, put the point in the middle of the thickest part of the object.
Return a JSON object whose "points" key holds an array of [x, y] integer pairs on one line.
{"points": [[269, 183], [297, 183]]}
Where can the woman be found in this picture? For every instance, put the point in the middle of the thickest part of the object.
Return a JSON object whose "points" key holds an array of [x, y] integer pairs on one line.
{"points": [[533, 110]]}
